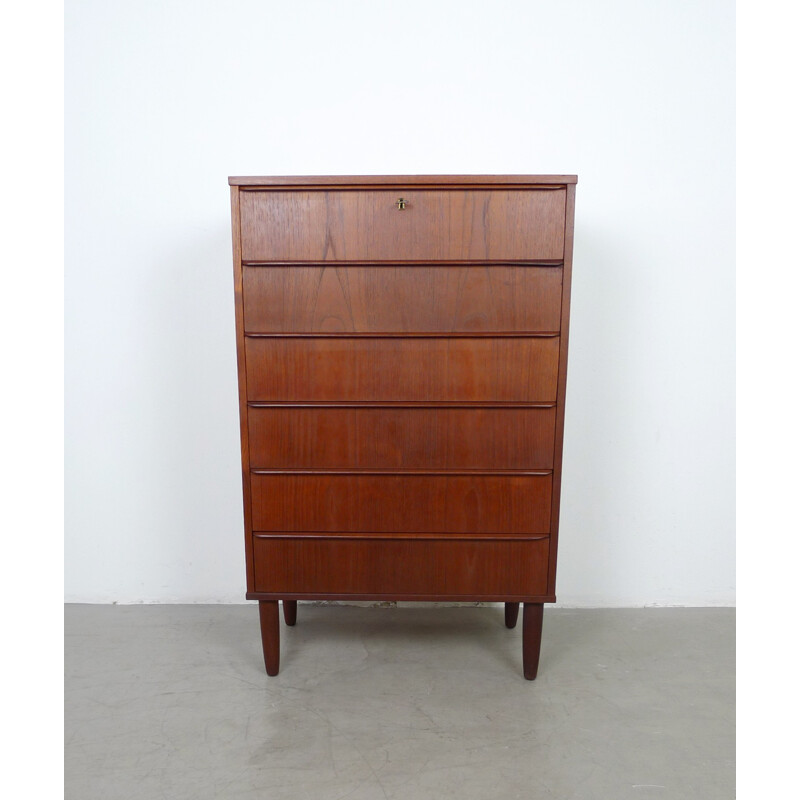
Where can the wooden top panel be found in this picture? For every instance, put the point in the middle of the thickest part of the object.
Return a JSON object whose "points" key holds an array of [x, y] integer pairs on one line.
{"points": [[394, 180]]}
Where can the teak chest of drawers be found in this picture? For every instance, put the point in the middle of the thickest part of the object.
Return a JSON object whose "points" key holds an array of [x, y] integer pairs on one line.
{"points": [[402, 353]]}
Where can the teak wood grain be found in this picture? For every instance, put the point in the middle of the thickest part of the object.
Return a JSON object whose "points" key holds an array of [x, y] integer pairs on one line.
{"points": [[304, 181], [452, 224], [388, 567], [399, 298], [424, 369], [569, 225], [238, 293], [402, 386], [402, 438], [402, 503]]}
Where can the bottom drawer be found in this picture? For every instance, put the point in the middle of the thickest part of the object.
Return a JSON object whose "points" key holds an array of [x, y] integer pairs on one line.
{"points": [[392, 566]]}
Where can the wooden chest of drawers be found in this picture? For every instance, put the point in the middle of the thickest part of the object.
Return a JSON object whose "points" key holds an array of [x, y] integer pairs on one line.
{"points": [[402, 353]]}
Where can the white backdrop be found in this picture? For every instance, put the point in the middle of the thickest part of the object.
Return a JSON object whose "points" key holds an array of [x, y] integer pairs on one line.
{"points": [[167, 98]]}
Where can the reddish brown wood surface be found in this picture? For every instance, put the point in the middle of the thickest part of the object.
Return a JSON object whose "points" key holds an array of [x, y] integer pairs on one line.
{"points": [[402, 381], [435, 503], [429, 369], [555, 506], [270, 634], [402, 438], [242, 377], [399, 180], [532, 615], [474, 224], [437, 597], [397, 298], [383, 567]]}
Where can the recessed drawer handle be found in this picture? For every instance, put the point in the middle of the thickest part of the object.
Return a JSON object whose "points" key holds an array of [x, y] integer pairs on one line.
{"points": [[401, 203]]}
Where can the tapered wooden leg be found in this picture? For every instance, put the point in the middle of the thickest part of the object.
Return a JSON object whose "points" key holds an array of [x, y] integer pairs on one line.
{"points": [[290, 611], [270, 635], [532, 614], [512, 612]]}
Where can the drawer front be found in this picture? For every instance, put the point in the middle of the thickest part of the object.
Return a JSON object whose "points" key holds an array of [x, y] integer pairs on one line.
{"points": [[417, 369], [402, 503], [400, 299], [449, 224], [402, 438], [406, 567]]}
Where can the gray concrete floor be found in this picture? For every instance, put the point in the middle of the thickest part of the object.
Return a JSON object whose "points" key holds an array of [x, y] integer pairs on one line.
{"points": [[412, 703]]}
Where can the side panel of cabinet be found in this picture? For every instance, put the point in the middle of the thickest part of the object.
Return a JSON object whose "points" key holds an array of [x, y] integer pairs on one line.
{"points": [[569, 226], [241, 364]]}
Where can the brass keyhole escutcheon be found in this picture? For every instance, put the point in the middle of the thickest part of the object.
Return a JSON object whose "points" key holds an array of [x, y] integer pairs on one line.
{"points": [[401, 203]]}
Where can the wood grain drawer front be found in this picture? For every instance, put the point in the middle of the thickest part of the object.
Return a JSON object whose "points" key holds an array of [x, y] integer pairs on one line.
{"points": [[376, 299], [402, 438], [401, 567], [402, 503], [418, 369], [436, 224]]}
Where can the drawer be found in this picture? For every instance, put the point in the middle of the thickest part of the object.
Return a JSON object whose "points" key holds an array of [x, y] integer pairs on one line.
{"points": [[515, 369], [401, 567], [401, 438], [436, 224], [395, 298], [401, 503]]}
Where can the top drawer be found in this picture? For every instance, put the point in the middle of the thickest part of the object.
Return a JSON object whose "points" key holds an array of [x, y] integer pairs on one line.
{"points": [[439, 225]]}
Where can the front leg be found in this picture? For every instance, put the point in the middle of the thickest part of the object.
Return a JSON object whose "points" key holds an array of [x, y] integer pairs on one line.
{"points": [[531, 638], [270, 635]]}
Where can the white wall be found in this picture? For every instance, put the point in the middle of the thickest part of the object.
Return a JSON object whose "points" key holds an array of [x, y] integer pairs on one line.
{"points": [[167, 98]]}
